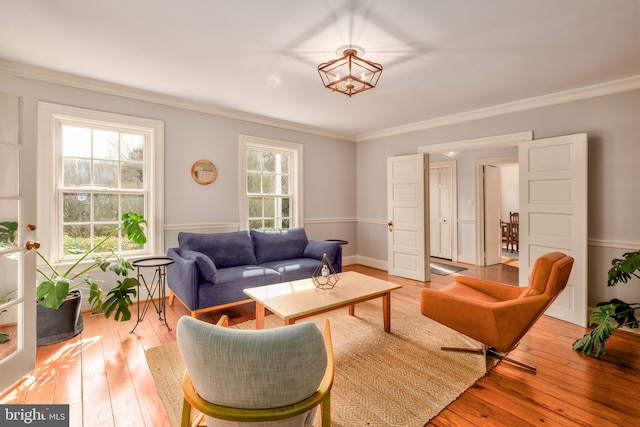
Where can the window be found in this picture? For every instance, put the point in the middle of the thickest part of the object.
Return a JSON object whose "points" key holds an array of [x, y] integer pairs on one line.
{"points": [[102, 174], [271, 181], [103, 165]]}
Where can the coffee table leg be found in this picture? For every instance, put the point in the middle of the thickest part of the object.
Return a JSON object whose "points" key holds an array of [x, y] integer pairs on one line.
{"points": [[352, 310], [259, 316], [386, 311]]}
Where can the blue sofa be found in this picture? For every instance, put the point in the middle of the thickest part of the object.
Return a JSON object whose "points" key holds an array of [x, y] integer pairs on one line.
{"points": [[211, 270]]}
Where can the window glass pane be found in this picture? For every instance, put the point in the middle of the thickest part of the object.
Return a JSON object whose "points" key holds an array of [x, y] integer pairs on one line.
{"points": [[76, 207], [285, 203], [76, 141], [286, 224], [255, 224], [9, 231], [10, 321], [268, 184], [77, 172], [284, 185], [255, 207], [105, 207], [131, 147], [9, 162], [131, 175], [133, 203], [76, 239], [100, 231], [269, 224], [105, 174], [269, 207], [268, 162], [105, 145], [284, 164], [253, 161], [253, 183]]}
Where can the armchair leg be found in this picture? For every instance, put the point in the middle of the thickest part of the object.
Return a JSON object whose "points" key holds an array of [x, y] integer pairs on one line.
{"points": [[504, 357], [491, 352], [465, 349]]}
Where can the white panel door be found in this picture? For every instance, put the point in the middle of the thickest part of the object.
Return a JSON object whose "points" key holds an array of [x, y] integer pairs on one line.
{"points": [[407, 250], [441, 210], [492, 214], [553, 215], [17, 210]]}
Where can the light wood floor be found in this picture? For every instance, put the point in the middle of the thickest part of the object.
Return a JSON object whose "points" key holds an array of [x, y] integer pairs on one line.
{"points": [[103, 375]]}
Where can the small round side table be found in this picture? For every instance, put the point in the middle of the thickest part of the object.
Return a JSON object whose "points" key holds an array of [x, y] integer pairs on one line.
{"points": [[158, 282]]}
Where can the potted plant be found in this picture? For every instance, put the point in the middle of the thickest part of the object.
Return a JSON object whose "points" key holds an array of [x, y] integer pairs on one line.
{"points": [[612, 314], [59, 294]]}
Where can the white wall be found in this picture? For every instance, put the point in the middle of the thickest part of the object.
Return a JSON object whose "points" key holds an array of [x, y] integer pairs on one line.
{"points": [[329, 177], [510, 190], [612, 125]]}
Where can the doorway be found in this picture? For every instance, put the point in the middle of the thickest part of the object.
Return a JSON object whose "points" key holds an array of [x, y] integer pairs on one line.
{"points": [[495, 201]]}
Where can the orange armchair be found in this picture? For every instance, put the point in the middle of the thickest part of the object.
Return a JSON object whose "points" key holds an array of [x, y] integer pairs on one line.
{"points": [[495, 314]]}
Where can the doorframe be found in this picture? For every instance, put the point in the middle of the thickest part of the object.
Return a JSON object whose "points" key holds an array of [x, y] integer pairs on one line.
{"points": [[498, 141], [479, 196]]}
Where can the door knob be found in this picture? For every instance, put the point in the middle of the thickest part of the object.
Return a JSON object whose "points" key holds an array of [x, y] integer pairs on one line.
{"points": [[32, 245], [390, 225], [31, 227]]}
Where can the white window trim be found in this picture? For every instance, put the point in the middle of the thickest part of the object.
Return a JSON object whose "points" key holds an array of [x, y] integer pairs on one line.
{"points": [[296, 182], [48, 167]]}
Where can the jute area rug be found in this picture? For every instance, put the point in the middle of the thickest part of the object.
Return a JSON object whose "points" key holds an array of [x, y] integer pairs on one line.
{"points": [[398, 379]]}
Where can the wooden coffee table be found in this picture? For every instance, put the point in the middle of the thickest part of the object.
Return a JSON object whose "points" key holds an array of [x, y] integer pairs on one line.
{"points": [[295, 300]]}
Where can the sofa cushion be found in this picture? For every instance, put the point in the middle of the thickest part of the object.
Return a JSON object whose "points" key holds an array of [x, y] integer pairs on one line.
{"points": [[279, 245], [225, 249], [316, 248], [294, 269]]}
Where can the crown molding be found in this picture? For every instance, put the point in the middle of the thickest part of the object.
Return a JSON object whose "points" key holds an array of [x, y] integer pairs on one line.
{"points": [[593, 91], [79, 82]]}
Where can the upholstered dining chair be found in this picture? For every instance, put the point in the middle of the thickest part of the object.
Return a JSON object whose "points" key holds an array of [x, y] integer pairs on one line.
{"points": [[495, 314], [264, 377]]}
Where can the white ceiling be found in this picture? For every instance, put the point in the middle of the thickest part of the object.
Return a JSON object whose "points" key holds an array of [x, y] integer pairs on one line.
{"points": [[260, 56]]}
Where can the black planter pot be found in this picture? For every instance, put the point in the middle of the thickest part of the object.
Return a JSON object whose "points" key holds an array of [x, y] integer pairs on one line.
{"points": [[58, 325]]}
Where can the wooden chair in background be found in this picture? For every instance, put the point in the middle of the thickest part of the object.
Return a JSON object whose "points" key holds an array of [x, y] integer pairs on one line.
{"points": [[513, 239]]}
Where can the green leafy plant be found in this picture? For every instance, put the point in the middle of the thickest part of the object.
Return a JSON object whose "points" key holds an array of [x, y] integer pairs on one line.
{"points": [[612, 314], [57, 284], [8, 232]]}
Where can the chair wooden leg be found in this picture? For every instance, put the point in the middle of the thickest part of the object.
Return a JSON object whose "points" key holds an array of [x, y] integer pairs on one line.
{"points": [[185, 421], [325, 407]]}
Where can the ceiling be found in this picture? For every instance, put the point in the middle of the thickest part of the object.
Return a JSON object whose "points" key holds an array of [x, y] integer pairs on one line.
{"points": [[260, 57]]}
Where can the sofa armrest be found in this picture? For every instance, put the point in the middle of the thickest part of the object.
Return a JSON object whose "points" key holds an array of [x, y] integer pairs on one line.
{"points": [[316, 248], [185, 274]]}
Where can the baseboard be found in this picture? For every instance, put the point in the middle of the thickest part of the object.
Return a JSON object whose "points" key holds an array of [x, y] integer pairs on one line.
{"points": [[350, 260], [372, 262]]}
